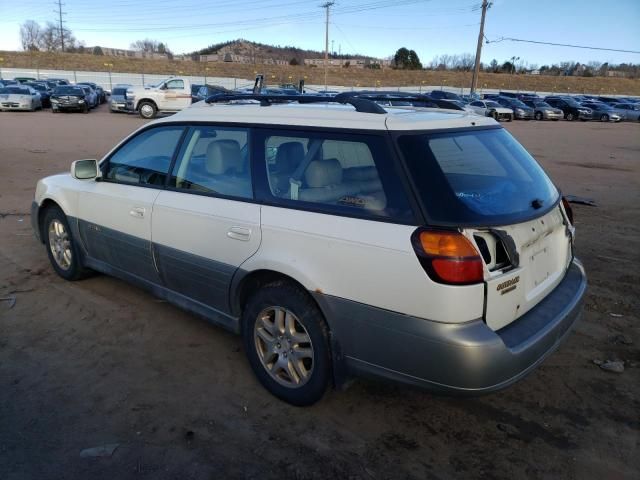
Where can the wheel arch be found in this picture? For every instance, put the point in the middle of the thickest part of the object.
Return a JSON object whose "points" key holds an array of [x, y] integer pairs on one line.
{"points": [[45, 205], [146, 99]]}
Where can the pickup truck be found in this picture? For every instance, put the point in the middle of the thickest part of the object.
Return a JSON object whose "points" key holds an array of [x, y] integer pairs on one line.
{"points": [[169, 95]]}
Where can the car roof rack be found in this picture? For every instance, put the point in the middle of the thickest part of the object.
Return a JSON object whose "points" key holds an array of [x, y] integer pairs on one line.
{"points": [[363, 105], [401, 97]]}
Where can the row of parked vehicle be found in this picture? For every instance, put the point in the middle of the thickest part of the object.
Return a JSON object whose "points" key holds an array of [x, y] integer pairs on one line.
{"points": [[26, 93], [527, 106]]}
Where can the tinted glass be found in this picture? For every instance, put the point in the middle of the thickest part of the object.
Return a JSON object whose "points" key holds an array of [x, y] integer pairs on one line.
{"points": [[335, 173], [214, 160], [38, 87], [14, 91], [68, 91], [542, 104], [493, 104], [145, 158], [476, 177], [119, 91]]}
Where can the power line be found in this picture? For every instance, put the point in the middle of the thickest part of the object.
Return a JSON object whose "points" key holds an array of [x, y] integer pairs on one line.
{"points": [[502, 39], [476, 66], [60, 13], [326, 6]]}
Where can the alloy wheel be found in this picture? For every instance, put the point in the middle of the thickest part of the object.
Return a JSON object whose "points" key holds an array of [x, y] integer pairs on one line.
{"points": [[60, 244], [284, 347]]}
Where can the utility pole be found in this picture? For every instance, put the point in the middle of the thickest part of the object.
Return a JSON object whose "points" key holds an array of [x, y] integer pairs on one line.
{"points": [[59, 4], [476, 67], [326, 6]]}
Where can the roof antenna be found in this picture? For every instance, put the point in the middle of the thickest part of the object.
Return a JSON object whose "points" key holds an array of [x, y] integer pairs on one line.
{"points": [[258, 85]]}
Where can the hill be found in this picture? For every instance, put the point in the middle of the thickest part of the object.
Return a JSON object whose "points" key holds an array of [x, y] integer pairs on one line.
{"points": [[350, 77]]}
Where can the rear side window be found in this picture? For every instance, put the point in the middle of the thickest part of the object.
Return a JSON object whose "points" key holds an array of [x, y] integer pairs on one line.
{"points": [[336, 173], [476, 177], [119, 91], [145, 159], [214, 160]]}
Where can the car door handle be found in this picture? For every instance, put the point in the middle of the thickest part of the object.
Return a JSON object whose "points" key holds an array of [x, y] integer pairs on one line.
{"points": [[137, 212], [239, 233]]}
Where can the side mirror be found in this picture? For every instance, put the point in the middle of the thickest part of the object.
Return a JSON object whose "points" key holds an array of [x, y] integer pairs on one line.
{"points": [[85, 169], [163, 86]]}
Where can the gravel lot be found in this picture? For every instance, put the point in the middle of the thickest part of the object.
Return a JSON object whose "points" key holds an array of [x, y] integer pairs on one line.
{"points": [[99, 362]]}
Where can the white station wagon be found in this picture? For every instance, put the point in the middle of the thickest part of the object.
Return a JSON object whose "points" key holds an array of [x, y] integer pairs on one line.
{"points": [[423, 246]]}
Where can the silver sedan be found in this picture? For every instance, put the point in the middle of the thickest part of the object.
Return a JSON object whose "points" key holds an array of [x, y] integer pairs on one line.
{"points": [[20, 97], [628, 111]]}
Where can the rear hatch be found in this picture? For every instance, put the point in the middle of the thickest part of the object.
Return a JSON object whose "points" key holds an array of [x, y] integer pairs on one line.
{"points": [[484, 184]]}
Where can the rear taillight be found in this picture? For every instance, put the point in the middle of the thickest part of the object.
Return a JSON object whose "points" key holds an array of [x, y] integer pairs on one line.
{"points": [[448, 256], [568, 209]]}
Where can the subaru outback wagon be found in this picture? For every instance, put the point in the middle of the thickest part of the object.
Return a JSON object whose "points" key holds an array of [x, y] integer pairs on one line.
{"points": [[422, 246]]}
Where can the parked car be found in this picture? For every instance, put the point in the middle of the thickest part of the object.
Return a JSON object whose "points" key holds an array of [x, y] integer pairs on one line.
{"points": [[543, 111], [610, 100], [489, 108], [22, 80], [444, 95], [572, 110], [170, 95], [205, 91], [194, 89], [90, 95], [627, 111], [352, 241], [118, 99], [59, 81], [68, 97], [6, 82], [520, 110], [100, 93], [19, 97], [602, 111], [45, 93]]}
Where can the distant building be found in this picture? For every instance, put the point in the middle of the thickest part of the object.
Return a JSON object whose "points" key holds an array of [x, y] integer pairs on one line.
{"points": [[352, 62]]}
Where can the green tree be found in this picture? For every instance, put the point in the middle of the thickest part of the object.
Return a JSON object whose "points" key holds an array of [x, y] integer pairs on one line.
{"points": [[97, 51], [406, 59]]}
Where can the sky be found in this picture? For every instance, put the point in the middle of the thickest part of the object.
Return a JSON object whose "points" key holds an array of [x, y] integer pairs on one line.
{"points": [[371, 27]]}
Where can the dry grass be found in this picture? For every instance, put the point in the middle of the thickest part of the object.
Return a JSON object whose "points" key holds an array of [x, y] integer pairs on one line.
{"points": [[336, 76]]}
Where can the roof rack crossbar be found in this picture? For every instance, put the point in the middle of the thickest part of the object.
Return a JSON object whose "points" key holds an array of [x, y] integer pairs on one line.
{"points": [[362, 105]]}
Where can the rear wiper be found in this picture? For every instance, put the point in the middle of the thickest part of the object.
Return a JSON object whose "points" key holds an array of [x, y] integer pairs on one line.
{"points": [[536, 203]]}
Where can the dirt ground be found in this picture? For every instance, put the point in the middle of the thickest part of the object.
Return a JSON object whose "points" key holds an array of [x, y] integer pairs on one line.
{"points": [[99, 362]]}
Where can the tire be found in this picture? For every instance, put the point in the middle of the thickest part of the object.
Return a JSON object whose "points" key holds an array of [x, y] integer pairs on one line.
{"points": [[570, 116], [604, 117], [510, 118], [147, 110], [85, 108], [280, 317], [66, 260], [494, 114], [538, 116], [54, 110]]}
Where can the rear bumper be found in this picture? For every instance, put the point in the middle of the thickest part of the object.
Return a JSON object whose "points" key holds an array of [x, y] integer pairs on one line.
{"points": [[467, 358]]}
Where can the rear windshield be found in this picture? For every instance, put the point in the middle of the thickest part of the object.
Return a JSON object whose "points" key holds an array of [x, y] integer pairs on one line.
{"points": [[68, 91], [479, 177], [119, 91]]}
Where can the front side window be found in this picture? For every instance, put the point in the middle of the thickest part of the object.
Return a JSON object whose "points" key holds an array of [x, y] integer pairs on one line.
{"points": [[476, 177], [214, 160], [175, 85], [334, 172], [145, 159]]}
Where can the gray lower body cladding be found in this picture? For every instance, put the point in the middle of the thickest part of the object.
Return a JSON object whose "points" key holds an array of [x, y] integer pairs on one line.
{"points": [[457, 358]]}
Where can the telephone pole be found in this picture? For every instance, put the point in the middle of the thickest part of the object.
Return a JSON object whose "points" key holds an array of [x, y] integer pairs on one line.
{"points": [[326, 6], [476, 67], [60, 12]]}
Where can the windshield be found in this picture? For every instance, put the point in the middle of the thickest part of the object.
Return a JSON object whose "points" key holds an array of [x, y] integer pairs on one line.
{"points": [[516, 103], [38, 86], [542, 104], [476, 177], [493, 104], [68, 91]]}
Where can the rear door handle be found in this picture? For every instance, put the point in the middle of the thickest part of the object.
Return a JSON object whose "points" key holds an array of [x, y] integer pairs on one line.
{"points": [[239, 233], [137, 212]]}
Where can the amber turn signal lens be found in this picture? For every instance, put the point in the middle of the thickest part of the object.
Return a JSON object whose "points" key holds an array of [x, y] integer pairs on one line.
{"points": [[445, 244], [568, 209]]}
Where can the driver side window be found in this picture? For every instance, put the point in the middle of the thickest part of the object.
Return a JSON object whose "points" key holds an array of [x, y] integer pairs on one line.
{"points": [[175, 85], [145, 159]]}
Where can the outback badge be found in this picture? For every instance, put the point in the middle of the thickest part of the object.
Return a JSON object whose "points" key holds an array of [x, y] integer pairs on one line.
{"points": [[508, 286]]}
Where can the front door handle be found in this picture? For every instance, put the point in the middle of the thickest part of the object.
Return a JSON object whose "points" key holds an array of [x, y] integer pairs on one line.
{"points": [[137, 212], [239, 233]]}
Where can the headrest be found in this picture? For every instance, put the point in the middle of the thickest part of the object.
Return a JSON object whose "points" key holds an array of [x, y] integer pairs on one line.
{"points": [[289, 156], [223, 156], [321, 173]]}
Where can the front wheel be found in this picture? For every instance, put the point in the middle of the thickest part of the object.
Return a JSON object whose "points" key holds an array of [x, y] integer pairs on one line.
{"points": [[571, 117], [61, 248], [147, 110], [538, 116], [510, 118], [604, 117], [286, 340]]}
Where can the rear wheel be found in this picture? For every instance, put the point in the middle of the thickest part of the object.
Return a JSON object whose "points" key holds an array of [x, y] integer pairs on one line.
{"points": [[147, 110], [510, 118], [286, 341], [61, 248], [538, 116], [85, 109], [571, 116]]}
